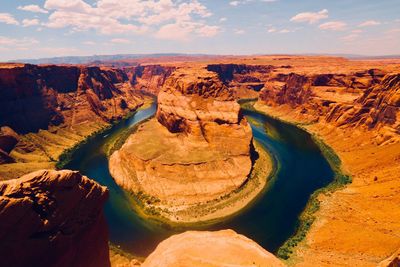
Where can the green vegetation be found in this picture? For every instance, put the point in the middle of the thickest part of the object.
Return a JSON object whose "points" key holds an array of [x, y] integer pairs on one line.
{"points": [[307, 217], [68, 154]]}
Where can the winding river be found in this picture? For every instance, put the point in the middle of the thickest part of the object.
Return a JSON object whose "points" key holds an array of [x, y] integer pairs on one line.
{"points": [[270, 220]]}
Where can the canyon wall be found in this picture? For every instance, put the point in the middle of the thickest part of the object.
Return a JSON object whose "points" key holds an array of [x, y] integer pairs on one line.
{"points": [[53, 218], [149, 78], [36, 97], [52, 108], [367, 99]]}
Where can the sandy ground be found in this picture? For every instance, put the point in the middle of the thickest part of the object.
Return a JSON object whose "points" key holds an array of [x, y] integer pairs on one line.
{"points": [[359, 225]]}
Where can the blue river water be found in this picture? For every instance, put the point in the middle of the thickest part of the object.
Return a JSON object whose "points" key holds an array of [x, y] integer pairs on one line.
{"points": [[270, 220]]}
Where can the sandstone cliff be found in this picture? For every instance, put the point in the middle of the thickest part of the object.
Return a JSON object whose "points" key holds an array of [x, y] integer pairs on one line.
{"points": [[52, 108], [364, 99], [8, 140], [149, 78], [36, 97], [53, 218], [198, 150], [222, 248]]}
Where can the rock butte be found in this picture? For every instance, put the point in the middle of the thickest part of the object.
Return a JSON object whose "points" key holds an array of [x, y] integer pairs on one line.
{"points": [[53, 218], [198, 148], [200, 249]]}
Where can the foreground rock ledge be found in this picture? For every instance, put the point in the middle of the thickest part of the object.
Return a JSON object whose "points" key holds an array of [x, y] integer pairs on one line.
{"points": [[222, 248], [198, 149], [53, 218]]}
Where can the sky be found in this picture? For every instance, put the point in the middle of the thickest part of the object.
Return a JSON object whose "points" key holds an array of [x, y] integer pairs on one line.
{"points": [[49, 28]]}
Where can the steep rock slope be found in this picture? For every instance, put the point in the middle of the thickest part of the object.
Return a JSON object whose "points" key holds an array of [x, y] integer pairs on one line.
{"points": [[222, 248], [36, 97], [53, 218], [149, 78], [8, 140], [198, 150], [53, 108]]}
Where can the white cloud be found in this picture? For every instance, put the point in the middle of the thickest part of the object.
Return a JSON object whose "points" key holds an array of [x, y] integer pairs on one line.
{"points": [[30, 22], [19, 44], [183, 30], [369, 23], [239, 31], [120, 41], [350, 37], [271, 30], [333, 26], [33, 8], [242, 2], [132, 16], [223, 19], [310, 17], [8, 19], [284, 31]]}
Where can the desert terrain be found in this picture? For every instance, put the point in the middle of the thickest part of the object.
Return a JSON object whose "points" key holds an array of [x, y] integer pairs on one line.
{"points": [[352, 106]]}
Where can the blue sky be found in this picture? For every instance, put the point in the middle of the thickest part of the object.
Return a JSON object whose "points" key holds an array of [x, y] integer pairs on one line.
{"points": [[47, 28]]}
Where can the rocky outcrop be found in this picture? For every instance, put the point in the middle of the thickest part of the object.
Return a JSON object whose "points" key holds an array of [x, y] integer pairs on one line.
{"points": [[222, 248], [8, 140], [53, 218], [392, 261], [378, 107], [198, 150], [149, 78], [295, 91], [240, 72], [36, 97]]}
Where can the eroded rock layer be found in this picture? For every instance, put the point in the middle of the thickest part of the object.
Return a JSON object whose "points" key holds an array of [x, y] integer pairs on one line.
{"points": [[222, 248], [36, 97], [53, 218], [53, 108], [196, 150]]}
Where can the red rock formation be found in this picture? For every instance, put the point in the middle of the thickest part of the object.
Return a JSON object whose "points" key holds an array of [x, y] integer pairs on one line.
{"points": [[53, 218], [149, 78], [35, 97], [378, 106], [222, 248], [8, 140], [240, 72], [199, 149]]}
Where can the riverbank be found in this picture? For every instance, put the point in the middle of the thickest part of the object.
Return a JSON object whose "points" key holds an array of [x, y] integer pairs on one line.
{"points": [[53, 148], [366, 210], [210, 212]]}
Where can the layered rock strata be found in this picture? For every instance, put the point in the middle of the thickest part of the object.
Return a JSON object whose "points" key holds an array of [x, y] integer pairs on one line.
{"points": [[37, 97], [149, 78], [222, 248], [53, 108], [53, 218], [8, 140], [198, 149]]}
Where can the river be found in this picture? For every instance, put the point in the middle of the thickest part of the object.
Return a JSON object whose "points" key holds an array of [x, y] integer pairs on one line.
{"points": [[270, 220]]}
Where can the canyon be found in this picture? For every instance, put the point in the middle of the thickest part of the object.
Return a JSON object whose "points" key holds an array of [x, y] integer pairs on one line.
{"points": [[197, 150], [351, 105]]}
